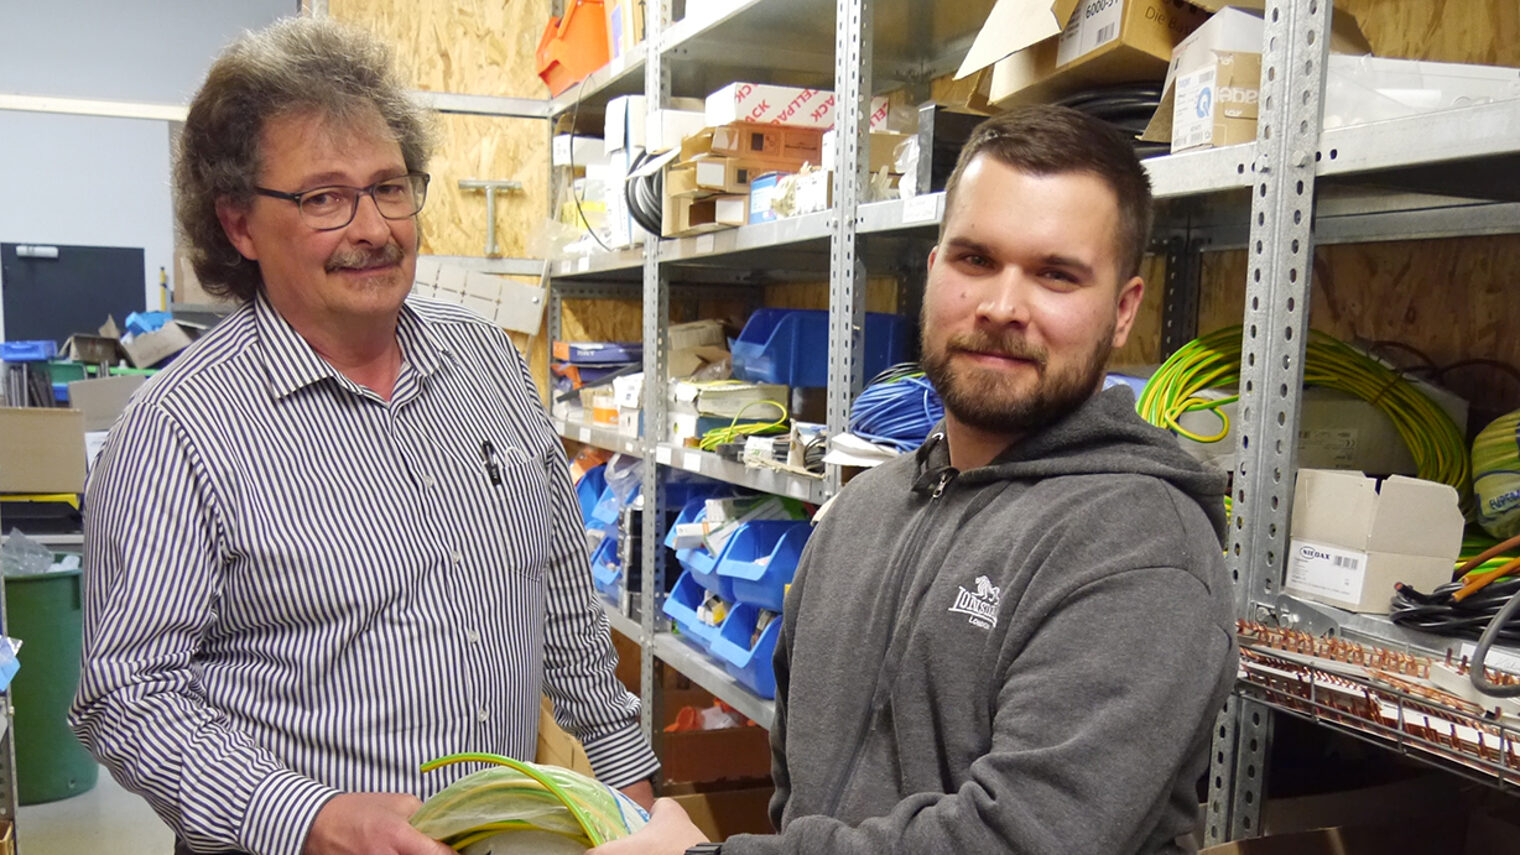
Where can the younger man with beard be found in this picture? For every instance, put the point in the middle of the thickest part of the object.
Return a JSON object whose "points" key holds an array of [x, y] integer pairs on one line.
{"points": [[1015, 639]]}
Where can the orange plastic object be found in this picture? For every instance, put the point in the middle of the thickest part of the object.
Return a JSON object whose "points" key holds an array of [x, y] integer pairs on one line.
{"points": [[573, 45]]}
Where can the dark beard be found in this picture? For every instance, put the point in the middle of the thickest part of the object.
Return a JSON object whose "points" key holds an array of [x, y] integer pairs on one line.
{"points": [[989, 406]]}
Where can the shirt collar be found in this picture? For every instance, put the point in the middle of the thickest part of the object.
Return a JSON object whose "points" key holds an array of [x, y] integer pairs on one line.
{"points": [[292, 364]]}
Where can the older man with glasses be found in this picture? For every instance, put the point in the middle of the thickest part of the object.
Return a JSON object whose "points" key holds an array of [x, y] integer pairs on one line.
{"points": [[336, 538]]}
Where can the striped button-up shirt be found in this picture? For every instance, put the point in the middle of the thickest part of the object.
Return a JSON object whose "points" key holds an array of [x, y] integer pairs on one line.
{"points": [[294, 587]]}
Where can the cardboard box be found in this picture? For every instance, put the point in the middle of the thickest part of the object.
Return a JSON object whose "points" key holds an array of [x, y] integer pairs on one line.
{"points": [[41, 450], [762, 193], [708, 175], [1211, 65], [721, 814], [580, 150], [1217, 104], [1102, 42], [696, 334], [757, 146], [1351, 541], [883, 150], [686, 361], [684, 216], [102, 399], [626, 123], [796, 106], [625, 26], [149, 349]]}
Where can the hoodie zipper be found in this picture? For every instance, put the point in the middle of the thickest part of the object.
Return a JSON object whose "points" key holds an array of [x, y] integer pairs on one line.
{"points": [[906, 560]]}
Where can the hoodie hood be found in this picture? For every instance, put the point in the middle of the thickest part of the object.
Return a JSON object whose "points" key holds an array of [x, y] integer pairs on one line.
{"points": [[1103, 436]]}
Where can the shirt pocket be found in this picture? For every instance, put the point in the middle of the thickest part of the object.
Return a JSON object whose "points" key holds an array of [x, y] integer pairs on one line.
{"points": [[507, 509]]}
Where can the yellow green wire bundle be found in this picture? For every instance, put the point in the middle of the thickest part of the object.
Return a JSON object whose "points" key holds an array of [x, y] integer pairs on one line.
{"points": [[547, 808], [1475, 543], [1213, 362], [1496, 475], [735, 431]]}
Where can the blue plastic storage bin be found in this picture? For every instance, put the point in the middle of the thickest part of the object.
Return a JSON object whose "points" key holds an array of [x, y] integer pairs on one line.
{"points": [[761, 558], [35, 350], [604, 516], [681, 606], [751, 665], [606, 569], [703, 565], [589, 490], [791, 346]]}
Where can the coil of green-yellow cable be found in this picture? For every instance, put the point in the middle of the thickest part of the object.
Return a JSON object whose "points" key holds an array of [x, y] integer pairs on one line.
{"points": [[1213, 361]]}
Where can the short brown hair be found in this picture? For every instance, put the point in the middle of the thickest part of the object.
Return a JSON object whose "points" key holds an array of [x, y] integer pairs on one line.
{"points": [[1049, 140], [296, 65]]}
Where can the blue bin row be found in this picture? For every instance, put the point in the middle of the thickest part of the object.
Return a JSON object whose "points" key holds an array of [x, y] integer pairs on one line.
{"points": [[790, 346], [750, 572]]}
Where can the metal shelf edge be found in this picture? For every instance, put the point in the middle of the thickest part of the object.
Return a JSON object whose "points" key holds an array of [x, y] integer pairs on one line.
{"points": [[621, 622], [599, 437], [774, 481], [597, 81], [711, 676]]}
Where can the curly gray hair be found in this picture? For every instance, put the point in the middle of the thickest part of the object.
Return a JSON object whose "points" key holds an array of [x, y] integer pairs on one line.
{"points": [[297, 65]]}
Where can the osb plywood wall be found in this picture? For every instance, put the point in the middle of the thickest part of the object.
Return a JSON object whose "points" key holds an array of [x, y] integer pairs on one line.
{"points": [[1481, 31], [481, 47], [491, 149]]}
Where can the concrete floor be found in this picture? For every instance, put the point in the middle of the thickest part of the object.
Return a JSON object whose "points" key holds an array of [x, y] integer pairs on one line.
{"points": [[105, 819]]}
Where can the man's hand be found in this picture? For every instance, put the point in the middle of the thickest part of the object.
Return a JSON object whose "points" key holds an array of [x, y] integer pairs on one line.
{"points": [[669, 832], [642, 793], [369, 824]]}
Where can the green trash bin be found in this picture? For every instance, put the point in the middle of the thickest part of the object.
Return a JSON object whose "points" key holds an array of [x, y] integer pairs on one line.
{"points": [[45, 611]]}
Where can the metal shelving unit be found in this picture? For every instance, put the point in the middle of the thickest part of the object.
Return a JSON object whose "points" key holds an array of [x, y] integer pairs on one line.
{"points": [[1436, 175]]}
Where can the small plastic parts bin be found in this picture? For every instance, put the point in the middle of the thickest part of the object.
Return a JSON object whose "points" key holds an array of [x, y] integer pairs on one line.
{"points": [[589, 490], [703, 565], [791, 346], [750, 664], [681, 606], [606, 569], [761, 558], [37, 350], [598, 352], [573, 45]]}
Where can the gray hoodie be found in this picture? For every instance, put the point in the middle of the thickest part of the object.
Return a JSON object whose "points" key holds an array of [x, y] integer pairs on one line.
{"points": [[1025, 657]]}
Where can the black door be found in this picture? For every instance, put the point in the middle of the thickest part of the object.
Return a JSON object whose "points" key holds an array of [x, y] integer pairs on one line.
{"points": [[53, 298]]}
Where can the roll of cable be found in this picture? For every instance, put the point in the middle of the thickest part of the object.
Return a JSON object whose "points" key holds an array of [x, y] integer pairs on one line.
{"points": [[643, 194], [1127, 107], [1496, 475], [1213, 361], [897, 409]]}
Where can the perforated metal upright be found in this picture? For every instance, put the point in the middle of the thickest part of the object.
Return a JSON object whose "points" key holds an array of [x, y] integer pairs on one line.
{"points": [[847, 274], [656, 340], [1272, 374]]}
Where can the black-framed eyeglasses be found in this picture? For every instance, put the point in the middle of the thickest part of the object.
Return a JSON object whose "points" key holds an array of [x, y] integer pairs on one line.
{"points": [[333, 207]]}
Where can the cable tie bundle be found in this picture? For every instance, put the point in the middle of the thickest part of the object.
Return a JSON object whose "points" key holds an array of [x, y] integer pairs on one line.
{"points": [[898, 409]]}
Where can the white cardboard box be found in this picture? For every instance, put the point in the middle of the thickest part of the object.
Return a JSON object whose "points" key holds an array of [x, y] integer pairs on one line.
{"points": [[766, 104], [1351, 541], [626, 123]]}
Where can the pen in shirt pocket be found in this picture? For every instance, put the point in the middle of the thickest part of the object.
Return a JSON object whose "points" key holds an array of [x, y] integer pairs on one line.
{"points": [[488, 456]]}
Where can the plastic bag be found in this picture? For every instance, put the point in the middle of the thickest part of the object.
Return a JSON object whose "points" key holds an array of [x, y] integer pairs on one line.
{"points": [[22, 556]]}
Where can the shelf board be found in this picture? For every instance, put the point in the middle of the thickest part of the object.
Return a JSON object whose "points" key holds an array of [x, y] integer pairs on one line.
{"points": [[1380, 630], [622, 76], [795, 232], [626, 260], [601, 437], [757, 40], [710, 675], [706, 463], [1468, 151], [1194, 173]]}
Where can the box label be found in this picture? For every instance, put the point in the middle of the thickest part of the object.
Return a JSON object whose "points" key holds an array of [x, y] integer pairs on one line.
{"points": [[1193, 112], [1328, 571], [1094, 24], [1329, 446]]}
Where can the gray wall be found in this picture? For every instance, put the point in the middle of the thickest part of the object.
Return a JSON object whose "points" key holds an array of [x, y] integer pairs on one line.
{"points": [[102, 181]]}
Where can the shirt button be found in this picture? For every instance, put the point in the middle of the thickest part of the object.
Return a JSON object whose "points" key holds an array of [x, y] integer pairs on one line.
{"points": [[473, 636], [429, 481], [457, 557], [483, 716]]}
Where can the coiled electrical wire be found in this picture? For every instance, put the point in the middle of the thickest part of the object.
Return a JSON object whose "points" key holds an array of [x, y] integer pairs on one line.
{"points": [[1439, 613], [897, 409], [1213, 361]]}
